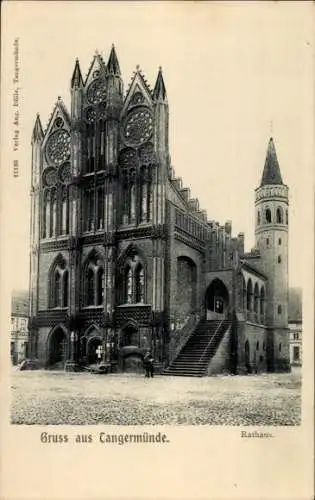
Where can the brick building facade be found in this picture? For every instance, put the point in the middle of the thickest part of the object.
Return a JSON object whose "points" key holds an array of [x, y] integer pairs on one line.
{"points": [[123, 260]]}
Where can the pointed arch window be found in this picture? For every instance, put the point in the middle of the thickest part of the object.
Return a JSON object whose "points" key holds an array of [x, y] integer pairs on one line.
{"points": [[46, 215], [57, 295], [249, 295], [262, 304], [286, 217], [128, 285], [99, 287], [256, 298], [93, 282], [139, 283], [59, 283], [279, 215], [90, 287], [268, 216], [132, 279], [100, 208], [64, 211], [65, 288]]}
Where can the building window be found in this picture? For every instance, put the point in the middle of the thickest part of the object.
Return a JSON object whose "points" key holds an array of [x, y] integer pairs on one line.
{"points": [[280, 347], [93, 282], [59, 283], [258, 218], [296, 336], [268, 215], [296, 353], [279, 215], [257, 345], [279, 259], [267, 242], [132, 290], [279, 241], [279, 309], [286, 217]]}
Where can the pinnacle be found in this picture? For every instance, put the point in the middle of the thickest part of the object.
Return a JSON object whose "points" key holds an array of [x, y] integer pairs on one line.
{"points": [[76, 80], [159, 91], [38, 129], [271, 173], [113, 64]]}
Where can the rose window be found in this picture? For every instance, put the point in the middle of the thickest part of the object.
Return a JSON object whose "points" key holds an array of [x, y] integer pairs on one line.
{"points": [[128, 158], [139, 126], [50, 176], [146, 153], [90, 115], [58, 147], [64, 172], [96, 92]]}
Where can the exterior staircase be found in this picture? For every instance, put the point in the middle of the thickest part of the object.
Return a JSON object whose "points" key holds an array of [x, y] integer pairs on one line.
{"points": [[194, 358]]}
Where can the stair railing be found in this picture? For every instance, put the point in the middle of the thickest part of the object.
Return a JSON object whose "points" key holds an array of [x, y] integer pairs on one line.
{"points": [[186, 333], [214, 335]]}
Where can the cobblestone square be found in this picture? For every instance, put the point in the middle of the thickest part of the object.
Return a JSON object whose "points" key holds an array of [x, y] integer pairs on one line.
{"points": [[47, 397]]}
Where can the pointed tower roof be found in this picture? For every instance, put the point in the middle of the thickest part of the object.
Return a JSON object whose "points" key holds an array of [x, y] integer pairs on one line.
{"points": [[159, 89], [38, 133], [113, 64], [77, 80], [271, 173]]}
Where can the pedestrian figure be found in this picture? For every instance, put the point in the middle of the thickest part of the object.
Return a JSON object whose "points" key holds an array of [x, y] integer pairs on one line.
{"points": [[148, 365]]}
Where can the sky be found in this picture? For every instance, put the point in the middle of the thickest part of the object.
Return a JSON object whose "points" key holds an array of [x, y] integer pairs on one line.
{"points": [[235, 73]]}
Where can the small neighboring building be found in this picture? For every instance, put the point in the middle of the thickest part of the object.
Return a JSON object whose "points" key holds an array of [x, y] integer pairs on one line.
{"points": [[295, 326], [19, 326]]}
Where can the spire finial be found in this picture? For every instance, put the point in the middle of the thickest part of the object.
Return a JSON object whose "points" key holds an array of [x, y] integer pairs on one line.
{"points": [[138, 67]]}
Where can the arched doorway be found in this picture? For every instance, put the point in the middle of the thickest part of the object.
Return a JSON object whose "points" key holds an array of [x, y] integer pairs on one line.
{"points": [[94, 350], [217, 300], [58, 348]]}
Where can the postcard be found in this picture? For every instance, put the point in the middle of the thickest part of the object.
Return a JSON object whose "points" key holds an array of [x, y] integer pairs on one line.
{"points": [[157, 250]]}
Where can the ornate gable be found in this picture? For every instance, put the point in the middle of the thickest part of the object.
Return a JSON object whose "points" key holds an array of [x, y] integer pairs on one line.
{"points": [[138, 93], [56, 144]]}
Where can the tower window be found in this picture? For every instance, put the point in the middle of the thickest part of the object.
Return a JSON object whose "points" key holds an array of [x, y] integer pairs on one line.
{"points": [[279, 309], [279, 241], [268, 215], [279, 259], [257, 345], [286, 217], [267, 242], [280, 346], [279, 214], [258, 218]]}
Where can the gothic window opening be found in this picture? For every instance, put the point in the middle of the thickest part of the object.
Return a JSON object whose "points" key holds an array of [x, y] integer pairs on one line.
{"points": [[268, 216], [93, 282], [286, 217], [46, 215], [65, 288], [89, 209], [65, 211], [139, 283], [249, 295], [279, 259], [100, 208], [59, 284], [132, 279], [53, 218], [57, 296], [279, 215], [256, 299], [262, 304], [101, 163], [90, 287], [100, 287], [279, 309], [128, 285]]}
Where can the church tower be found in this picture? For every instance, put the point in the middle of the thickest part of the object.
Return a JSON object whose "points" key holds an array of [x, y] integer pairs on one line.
{"points": [[271, 234]]}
